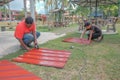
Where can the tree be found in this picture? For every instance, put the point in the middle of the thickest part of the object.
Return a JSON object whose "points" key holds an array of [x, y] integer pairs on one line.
{"points": [[25, 8], [4, 11], [32, 8], [111, 10], [52, 5]]}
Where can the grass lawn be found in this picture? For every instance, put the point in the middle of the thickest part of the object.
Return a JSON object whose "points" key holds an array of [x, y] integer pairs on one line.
{"points": [[97, 61], [58, 30]]}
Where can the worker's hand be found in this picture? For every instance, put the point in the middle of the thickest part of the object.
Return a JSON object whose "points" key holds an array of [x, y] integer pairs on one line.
{"points": [[35, 42], [27, 48], [36, 46], [80, 37], [89, 41]]}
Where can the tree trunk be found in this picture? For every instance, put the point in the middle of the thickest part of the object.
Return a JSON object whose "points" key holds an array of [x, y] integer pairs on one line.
{"points": [[25, 8], [32, 8], [10, 17], [118, 8]]}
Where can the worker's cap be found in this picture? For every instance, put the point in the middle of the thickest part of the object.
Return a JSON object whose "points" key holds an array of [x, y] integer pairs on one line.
{"points": [[87, 24], [29, 20]]}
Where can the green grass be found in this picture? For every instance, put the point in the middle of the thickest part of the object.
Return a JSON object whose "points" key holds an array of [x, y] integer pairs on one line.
{"points": [[98, 61], [42, 28], [59, 30]]}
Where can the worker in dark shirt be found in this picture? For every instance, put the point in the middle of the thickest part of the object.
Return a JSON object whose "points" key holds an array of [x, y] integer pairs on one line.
{"points": [[94, 32]]}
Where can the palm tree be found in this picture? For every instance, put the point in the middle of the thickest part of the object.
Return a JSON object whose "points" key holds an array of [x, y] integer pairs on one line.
{"points": [[55, 4], [49, 5]]}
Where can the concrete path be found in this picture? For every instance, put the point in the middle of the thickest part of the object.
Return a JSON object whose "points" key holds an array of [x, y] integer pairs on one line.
{"points": [[9, 44], [103, 32]]}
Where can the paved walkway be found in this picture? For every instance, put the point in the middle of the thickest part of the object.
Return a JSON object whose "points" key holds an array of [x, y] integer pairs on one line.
{"points": [[9, 44], [103, 32]]}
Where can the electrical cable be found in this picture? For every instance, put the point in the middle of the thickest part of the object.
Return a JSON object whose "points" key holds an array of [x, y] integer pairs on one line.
{"points": [[84, 58], [85, 62]]}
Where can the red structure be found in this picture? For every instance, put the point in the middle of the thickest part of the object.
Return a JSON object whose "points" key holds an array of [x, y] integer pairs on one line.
{"points": [[45, 57], [76, 40], [10, 71], [43, 17], [14, 14]]}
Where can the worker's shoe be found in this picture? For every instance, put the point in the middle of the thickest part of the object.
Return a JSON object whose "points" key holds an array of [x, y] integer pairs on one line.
{"points": [[100, 38], [22, 47], [29, 45]]}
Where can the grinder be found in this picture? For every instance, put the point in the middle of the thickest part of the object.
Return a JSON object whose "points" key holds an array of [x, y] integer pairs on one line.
{"points": [[36, 46]]}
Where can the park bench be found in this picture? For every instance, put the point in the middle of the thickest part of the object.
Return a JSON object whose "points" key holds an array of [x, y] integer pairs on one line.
{"points": [[59, 24], [7, 25]]}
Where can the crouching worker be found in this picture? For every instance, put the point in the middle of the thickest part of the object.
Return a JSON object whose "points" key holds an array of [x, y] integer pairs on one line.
{"points": [[94, 32], [26, 33]]}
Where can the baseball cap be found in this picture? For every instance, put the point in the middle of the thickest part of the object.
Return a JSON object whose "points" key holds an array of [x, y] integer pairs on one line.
{"points": [[87, 24], [29, 20]]}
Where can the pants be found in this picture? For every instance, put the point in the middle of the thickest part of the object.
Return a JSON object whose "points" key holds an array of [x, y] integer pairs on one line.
{"points": [[28, 38], [94, 35]]}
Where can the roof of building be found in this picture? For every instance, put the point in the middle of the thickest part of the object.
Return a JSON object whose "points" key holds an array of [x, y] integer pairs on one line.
{"points": [[2, 2], [93, 3]]}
